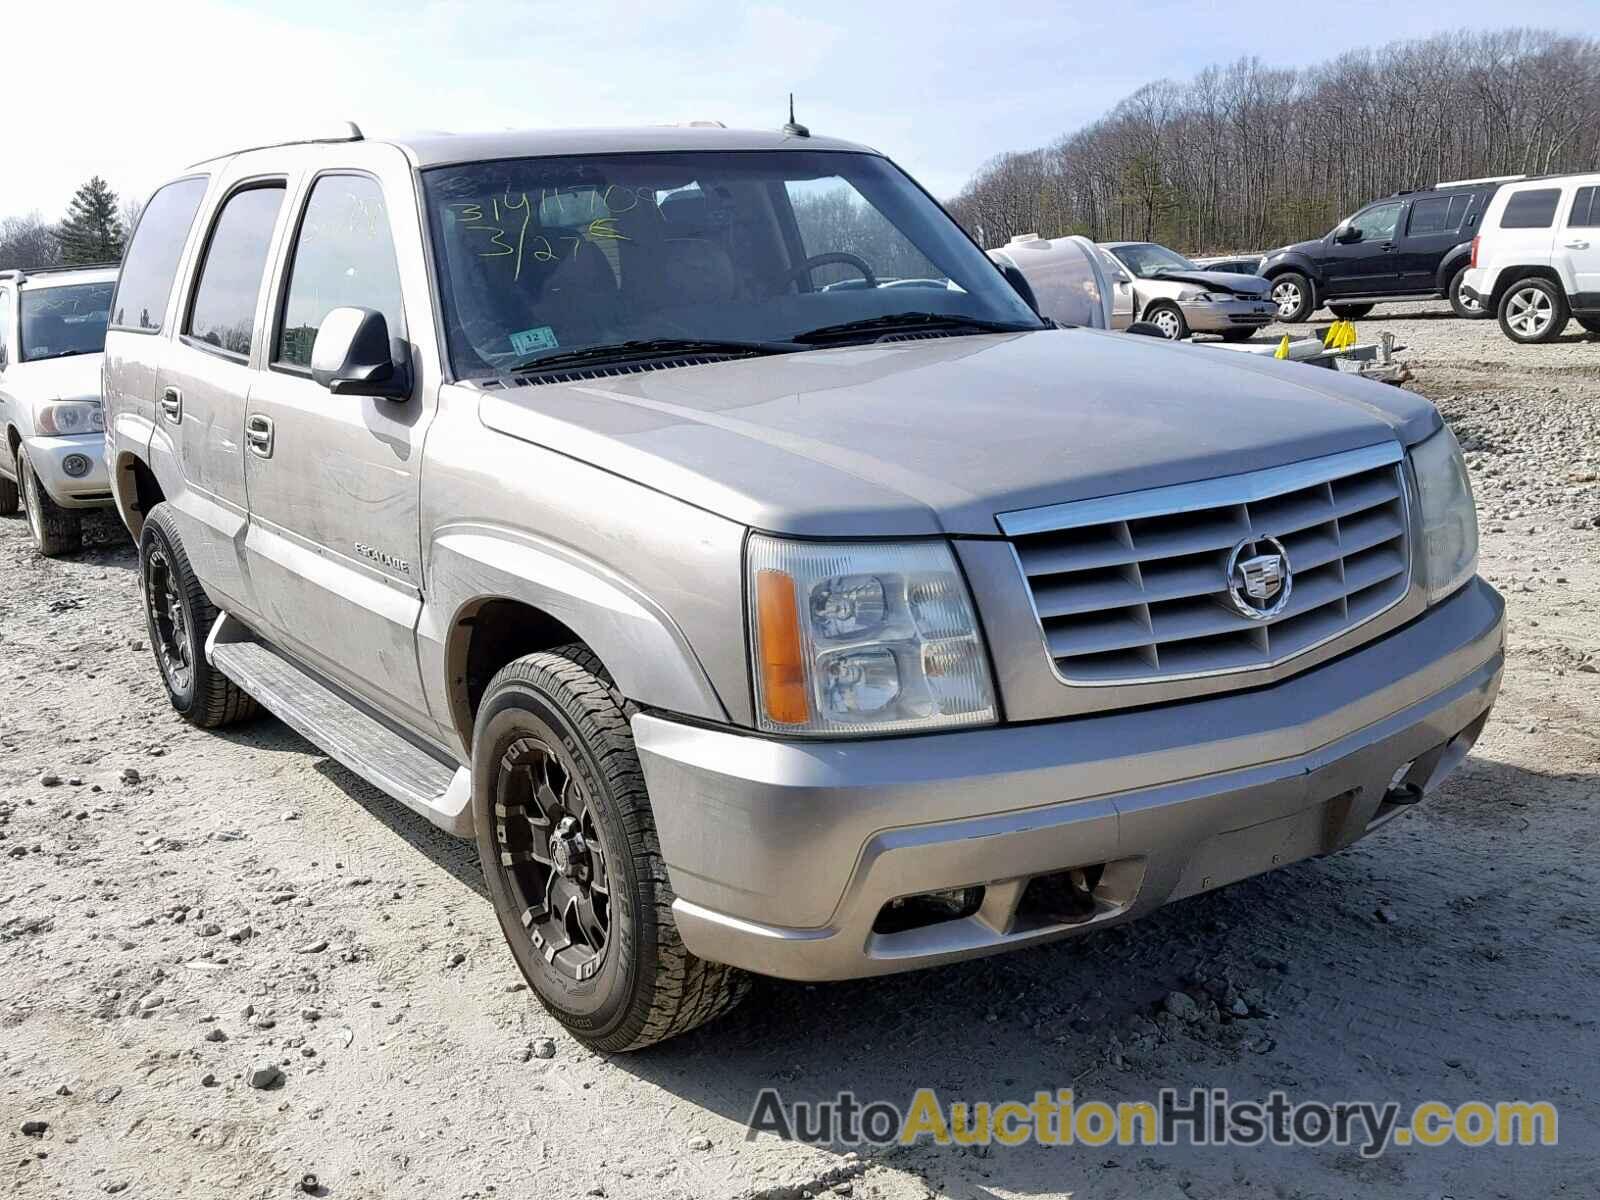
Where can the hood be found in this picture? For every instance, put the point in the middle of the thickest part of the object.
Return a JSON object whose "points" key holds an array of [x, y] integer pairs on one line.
{"points": [[74, 378], [939, 435], [1309, 246], [1227, 282]]}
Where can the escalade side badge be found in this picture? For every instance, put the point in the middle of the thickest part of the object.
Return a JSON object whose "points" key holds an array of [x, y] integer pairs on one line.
{"points": [[1260, 584]]}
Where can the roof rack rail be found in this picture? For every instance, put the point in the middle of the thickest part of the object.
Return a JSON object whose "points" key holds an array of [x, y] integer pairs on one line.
{"points": [[1445, 183], [352, 133], [23, 274]]}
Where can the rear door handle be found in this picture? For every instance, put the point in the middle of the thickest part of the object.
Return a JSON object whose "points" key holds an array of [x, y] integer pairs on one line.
{"points": [[258, 432], [172, 404], [1577, 245]]}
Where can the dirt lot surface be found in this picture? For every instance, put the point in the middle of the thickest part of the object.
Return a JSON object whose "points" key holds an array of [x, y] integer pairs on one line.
{"points": [[179, 910]]}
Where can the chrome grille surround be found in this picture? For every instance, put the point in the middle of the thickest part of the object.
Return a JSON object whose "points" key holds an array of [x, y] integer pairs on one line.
{"points": [[1132, 588]]}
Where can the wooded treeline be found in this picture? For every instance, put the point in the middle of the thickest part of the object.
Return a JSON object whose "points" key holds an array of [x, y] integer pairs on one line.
{"points": [[1248, 156]]}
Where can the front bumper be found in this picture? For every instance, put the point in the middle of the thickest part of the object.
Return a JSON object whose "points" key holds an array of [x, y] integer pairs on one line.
{"points": [[49, 455], [1209, 316], [784, 853]]}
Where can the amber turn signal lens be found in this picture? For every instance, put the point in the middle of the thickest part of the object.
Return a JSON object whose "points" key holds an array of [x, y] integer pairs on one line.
{"points": [[783, 673]]}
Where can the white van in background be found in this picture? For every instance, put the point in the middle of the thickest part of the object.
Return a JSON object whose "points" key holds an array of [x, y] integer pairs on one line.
{"points": [[1536, 259]]}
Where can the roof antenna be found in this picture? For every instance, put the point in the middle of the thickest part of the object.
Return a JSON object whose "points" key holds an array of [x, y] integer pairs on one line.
{"points": [[794, 128]]}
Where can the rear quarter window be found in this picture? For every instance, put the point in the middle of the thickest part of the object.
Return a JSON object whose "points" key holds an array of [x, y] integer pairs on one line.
{"points": [[151, 263], [1585, 208], [1531, 208]]}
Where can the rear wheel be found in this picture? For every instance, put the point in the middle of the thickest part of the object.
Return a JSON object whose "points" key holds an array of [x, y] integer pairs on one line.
{"points": [[1463, 307], [569, 850], [1293, 295], [56, 531], [1167, 317], [1350, 312], [1533, 310], [179, 615]]}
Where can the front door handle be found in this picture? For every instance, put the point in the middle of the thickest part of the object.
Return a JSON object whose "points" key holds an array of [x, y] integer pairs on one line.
{"points": [[1577, 245], [172, 404], [258, 432]]}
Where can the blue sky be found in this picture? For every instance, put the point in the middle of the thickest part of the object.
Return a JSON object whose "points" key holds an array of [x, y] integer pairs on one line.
{"points": [[136, 91]]}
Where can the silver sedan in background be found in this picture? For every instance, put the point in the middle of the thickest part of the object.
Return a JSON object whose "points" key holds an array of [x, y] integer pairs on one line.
{"points": [[1179, 298]]}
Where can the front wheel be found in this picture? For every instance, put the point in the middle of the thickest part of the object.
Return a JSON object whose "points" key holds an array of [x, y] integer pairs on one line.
{"points": [[56, 531], [1350, 312], [1533, 310], [1238, 335], [1167, 317], [1465, 308], [568, 844], [1293, 295], [179, 615]]}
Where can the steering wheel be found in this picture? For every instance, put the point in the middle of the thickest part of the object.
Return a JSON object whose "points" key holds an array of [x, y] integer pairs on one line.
{"points": [[842, 257]]}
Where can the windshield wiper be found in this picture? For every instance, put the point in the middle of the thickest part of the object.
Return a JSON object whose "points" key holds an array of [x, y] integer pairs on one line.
{"points": [[57, 354], [646, 348], [896, 322]]}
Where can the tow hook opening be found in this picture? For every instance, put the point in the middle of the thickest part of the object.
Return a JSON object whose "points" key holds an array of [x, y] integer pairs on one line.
{"points": [[1062, 897], [927, 908]]}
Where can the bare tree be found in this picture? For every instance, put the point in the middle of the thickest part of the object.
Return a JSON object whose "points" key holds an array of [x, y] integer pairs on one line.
{"points": [[1245, 155], [28, 242]]}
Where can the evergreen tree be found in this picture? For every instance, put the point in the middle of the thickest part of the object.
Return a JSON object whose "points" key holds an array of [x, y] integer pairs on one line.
{"points": [[92, 230]]}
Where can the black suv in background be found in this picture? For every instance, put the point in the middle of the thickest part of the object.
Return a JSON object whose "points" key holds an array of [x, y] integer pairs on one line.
{"points": [[1408, 246]]}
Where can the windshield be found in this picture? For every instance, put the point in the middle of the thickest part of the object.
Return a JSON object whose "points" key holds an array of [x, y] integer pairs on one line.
{"points": [[551, 255], [58, 321], [1146, 259]]}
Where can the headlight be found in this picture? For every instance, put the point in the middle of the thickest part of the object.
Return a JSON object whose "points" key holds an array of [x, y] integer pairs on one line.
{"points": [[1197, 298], [863, 637], [1449, 518], [64, 419]]}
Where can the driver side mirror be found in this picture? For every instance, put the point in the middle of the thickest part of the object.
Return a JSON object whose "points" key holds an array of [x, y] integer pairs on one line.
{"points": [[1348, 234], [353, 356], [1019, 283]]}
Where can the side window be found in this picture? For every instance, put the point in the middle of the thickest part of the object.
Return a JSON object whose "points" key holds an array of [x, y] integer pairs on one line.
{"points": [[151, 262], [1378, 222], [5, 326], [1430, 216], [1531, 208], [343, 257], [223, 312], [1585, 208], [1459, 207]]}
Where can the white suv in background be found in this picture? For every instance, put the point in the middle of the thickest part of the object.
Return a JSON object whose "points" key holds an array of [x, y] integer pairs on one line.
{"points": [[1536, 259], [52, 429]]}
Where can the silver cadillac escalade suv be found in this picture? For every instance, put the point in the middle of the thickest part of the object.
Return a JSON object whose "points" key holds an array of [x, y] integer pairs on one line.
{"points": [[700, 521]]}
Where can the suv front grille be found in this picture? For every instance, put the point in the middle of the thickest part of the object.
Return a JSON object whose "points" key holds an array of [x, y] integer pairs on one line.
{"points": [[1133, 588]]}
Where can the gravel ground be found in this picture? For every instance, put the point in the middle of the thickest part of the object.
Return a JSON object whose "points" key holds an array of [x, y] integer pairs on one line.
{"points": [[184, 916]]}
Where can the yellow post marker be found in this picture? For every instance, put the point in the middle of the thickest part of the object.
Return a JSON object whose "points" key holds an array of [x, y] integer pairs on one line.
{"points": [[1283, 348], [1349, 333]]}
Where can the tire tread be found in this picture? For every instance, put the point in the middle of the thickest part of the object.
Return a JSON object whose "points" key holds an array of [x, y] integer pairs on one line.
{"points": [[688, 991]]}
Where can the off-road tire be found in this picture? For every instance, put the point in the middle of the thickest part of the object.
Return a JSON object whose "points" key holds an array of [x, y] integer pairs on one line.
{"points": [[207, 698], [1304, 299], [1167, 317], [1350, 312], [1460, 305], [1238, 335], [10, 498], [56, 531], [1521, 306], [648, 987]]}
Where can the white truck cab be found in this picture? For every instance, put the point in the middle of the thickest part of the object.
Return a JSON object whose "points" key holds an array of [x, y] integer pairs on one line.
{"points": [[52, 429]]}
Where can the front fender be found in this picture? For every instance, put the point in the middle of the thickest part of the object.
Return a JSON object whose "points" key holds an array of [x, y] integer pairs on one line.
{"points": [[1298, 263], [647, 654]]}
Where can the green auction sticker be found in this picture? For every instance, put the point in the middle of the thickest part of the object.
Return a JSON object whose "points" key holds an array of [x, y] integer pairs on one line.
{"points": [[525, 341]]}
